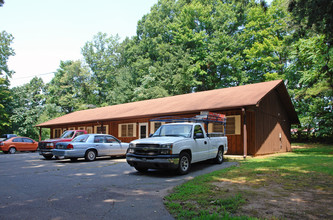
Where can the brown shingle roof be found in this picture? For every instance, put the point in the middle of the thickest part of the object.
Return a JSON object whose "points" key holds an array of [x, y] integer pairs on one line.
{"points": [[218, 99]]}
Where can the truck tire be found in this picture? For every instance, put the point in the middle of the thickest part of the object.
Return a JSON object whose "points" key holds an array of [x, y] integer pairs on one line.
{"points": [[219, 157], [141, 169], [184, 163], [48, 157]]}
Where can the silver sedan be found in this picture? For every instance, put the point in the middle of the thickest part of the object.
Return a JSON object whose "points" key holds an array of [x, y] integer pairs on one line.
{"points": [[90, 146]]}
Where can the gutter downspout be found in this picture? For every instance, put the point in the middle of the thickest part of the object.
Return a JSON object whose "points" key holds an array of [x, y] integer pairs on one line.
{"points": [[244, 134]]}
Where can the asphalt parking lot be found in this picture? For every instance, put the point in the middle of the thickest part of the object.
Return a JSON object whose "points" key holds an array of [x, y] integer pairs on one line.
{"points": [[108, 188]]}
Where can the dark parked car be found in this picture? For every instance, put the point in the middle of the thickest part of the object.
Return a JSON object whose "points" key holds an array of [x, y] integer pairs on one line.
{"points": [[7, 136]]}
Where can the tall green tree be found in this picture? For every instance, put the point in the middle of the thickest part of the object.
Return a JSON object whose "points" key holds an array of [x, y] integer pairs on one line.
{"points": [[193, 43], [267, 40], [102, 56], [311, 69], [315, 15], [5, 97], [28, 106], [310, 87], [311, 18], [71, 88]]}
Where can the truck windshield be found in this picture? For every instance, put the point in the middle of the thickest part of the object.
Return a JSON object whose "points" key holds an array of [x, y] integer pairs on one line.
{"points": [[81, 138], [180, 130], [67, 134]]}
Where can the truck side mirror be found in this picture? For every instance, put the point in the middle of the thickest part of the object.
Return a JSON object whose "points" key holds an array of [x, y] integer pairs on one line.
{"points": [[150, 135], [198, 135]]}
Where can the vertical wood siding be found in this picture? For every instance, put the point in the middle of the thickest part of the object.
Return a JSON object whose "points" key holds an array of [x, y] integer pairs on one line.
{"points": [[272, 126]]}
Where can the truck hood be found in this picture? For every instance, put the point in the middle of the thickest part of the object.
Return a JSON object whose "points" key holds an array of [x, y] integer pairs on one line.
{"points": [[57, 140], [158, 140]]}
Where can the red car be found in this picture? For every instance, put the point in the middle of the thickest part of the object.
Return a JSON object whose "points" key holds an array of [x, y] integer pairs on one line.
{"points": [[11, 145]]}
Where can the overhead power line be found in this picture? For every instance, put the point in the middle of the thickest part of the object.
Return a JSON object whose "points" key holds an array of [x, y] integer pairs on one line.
{"points": [[25, 77]]}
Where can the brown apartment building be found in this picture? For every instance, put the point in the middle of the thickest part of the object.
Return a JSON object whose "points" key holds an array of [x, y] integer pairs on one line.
{"points": [[259, 117]]}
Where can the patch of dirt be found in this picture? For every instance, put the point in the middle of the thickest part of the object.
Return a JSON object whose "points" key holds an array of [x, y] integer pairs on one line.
{"points": [[274, 202], [299, 147]]}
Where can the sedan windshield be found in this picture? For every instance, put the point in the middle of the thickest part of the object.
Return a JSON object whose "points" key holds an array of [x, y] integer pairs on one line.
{"points": [[179, 130]]}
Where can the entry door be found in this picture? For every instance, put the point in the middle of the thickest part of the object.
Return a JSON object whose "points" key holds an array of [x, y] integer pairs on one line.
{"points": [[143, 130]]}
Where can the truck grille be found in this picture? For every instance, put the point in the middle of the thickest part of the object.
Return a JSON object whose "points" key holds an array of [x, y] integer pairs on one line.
{"points": [[42, 145], [147, 149]]}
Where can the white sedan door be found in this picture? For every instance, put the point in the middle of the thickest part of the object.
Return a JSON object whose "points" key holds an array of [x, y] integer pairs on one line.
{"points": [[101, 146], [114, 147]]}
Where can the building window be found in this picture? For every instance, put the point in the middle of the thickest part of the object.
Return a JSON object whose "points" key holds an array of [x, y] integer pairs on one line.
{"points": [[215, 127], [81, 128], [57, 132], [102, 130], [233, 125], [154, 126], [71, 128], [90, 130], [127, 130]]}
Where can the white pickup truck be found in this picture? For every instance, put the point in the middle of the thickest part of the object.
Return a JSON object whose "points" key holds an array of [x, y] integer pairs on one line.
{"points": [[176, 146]]}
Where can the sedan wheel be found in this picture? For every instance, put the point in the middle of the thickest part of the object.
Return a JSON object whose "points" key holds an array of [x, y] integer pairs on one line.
{"points": [[12, 150], [90, 155]]}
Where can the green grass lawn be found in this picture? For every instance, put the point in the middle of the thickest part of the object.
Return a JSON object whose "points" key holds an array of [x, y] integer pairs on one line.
{"points": [[292, 185]]}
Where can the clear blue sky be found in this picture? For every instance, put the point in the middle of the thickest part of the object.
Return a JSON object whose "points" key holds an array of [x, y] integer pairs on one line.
{"points": [[48, 31]]}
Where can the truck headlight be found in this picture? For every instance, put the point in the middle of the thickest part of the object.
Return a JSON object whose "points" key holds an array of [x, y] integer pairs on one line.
{"points": [[49, 145], [166, 149], [168, 146], [130, 150]]}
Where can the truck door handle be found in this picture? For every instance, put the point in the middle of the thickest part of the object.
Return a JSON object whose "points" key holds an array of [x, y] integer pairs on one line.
{"points": [[205, 142]]}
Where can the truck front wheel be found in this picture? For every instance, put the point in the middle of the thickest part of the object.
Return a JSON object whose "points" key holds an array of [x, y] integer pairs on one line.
{"points": [[48, 157], [184, 163], [141, 169]]}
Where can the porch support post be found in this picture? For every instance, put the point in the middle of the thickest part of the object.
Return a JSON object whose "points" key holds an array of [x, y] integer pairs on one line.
{"points": [[40, 134], [244, 134]]}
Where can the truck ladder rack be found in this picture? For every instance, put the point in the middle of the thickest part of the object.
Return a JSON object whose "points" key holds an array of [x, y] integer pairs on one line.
{"points": [[205, 117]]}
